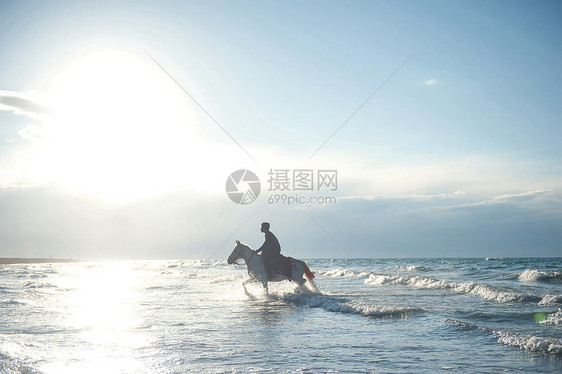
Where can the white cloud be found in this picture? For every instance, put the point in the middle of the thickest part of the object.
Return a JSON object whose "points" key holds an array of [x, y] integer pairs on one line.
{"points": [[504, 199], [23, 103], [453, 195], [431, 82], [32, 133]]}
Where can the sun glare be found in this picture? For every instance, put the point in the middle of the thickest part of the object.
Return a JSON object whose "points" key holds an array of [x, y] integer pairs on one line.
{"points": [[122, 130], [102, 306]]}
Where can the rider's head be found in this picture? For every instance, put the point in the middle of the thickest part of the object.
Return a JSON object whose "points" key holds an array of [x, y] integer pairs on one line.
{"points": [[265, 227]]}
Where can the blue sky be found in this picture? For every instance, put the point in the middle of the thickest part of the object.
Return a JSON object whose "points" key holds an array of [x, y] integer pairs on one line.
{"points": [[103, 155]]}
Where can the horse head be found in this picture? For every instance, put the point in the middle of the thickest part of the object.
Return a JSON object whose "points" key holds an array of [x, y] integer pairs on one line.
{"points": [[236, 253]]}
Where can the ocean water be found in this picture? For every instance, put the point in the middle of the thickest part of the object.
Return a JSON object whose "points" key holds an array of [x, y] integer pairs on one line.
{"points": [[372, 315]]}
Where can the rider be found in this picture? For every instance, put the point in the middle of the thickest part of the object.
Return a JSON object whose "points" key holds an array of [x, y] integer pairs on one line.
{"points": [[271, 249]]}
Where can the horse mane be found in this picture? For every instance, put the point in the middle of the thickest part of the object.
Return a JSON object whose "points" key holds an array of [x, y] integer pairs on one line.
{"points": [[246, 245]]}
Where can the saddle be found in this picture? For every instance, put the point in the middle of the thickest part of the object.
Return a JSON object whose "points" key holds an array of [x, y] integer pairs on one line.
{"points": [[281, 265]]}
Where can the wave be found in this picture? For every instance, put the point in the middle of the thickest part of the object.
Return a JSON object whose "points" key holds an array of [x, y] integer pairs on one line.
{"points": [[410, 268], [10, 364], [32, 285], [349, 273], [551, 299], [483, 290], [12, 302], [339, 305], [553, 319], [529, 343], [534, 275], [338, 273]]}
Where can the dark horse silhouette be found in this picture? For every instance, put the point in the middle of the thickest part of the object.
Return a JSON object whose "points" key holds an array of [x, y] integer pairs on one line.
{"points": [[256, 269]]}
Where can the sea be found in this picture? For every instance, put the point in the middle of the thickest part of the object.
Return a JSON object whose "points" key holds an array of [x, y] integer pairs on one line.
{"points": [[469, 315]]}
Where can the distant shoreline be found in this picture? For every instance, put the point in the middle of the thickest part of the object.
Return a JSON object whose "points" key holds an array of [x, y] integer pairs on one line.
{"points": [[17, 260]]}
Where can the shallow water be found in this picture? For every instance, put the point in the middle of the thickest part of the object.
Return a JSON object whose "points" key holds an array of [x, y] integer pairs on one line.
{"points": [[372, 315]]}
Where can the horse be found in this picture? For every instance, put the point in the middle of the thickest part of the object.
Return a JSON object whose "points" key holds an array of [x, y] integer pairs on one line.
{"points": [[257, 272]]}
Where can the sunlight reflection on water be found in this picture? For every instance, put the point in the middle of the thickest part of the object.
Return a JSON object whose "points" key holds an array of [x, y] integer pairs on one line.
{"points": [[103, 306], [193, 316]]}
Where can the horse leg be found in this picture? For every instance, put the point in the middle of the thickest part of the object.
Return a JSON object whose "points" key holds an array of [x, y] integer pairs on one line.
{"points": [[251, 280], [297, 276], [300, 285], [266, 288], [244, 285]]}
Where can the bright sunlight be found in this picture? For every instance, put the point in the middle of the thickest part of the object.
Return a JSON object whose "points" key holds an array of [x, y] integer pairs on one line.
{"points": [[122, 130]]}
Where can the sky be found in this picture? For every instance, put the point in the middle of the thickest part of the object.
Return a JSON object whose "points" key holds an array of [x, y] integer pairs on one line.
{"points": [[375, 128]]}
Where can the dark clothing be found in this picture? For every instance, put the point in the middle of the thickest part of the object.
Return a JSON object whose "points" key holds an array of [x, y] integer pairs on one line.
{"points": [[271, 249]]}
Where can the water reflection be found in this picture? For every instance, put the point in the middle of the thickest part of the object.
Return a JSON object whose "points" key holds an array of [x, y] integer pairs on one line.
{"points": [[102, 306]]}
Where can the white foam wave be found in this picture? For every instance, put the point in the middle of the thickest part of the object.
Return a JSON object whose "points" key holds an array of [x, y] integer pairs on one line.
{"points": [[534, 275], [553, 319], [483, 290], [348, 273], [410, 268], [338, 273], [529, 343], [381, 311], [337, 305], [551, 300]]}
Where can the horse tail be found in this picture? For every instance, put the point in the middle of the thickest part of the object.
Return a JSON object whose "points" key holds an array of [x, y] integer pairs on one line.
{"points": [[307, 271]]}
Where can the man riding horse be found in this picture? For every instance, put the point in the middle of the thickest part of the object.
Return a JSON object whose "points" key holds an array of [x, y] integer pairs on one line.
{"points": [[270, 249]]}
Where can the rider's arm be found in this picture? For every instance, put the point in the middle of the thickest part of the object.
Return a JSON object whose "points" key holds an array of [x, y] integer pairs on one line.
{"points": [[262, 246]]}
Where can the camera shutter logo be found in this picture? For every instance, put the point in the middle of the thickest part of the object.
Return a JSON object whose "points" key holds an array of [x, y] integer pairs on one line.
{"points": [[243, 186]]}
